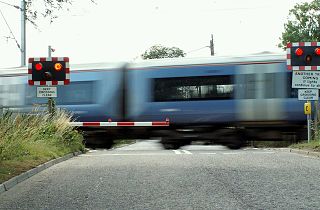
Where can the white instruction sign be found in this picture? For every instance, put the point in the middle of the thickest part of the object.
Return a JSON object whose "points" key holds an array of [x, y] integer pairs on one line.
{"points": [[47, 92], [306, 79], [308, 94]]}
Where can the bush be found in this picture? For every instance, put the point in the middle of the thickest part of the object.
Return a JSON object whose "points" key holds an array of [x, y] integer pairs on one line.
{"points": [[37, 136]]}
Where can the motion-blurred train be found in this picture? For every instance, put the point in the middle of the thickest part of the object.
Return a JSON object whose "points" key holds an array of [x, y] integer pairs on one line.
{"points": [[220, 100]]}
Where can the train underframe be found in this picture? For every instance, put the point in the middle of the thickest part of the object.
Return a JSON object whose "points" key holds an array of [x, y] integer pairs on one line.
{"points": [[232, 136]]}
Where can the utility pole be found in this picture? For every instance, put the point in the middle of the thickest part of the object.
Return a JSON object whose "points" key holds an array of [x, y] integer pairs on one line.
{"points": [[23, 33], [211, 46], [21, 47]]}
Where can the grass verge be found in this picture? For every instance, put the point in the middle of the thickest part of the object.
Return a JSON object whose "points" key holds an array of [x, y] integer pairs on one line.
{"points": [[312, 146], [27, 141], [268, 144]]}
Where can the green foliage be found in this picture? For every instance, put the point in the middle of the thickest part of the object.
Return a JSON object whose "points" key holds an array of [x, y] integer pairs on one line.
{"points": [[37, 136], [158, 51], [314, 145], [303, 24], [48, 9]]}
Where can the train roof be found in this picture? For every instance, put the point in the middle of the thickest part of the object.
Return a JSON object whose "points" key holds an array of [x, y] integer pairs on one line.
{"points": [[163, 62], [256, 58]]}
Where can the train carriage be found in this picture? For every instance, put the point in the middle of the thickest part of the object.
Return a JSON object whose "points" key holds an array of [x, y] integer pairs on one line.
{"points": [[223, 100], [220, 99]]}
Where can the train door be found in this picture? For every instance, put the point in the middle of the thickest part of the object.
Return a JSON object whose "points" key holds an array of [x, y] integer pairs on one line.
{"points": [[260, 93]]}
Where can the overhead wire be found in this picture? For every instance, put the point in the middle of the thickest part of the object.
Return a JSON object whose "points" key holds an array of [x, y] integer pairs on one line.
{"points": [[10, 30], [197, 49], [15, 6]]}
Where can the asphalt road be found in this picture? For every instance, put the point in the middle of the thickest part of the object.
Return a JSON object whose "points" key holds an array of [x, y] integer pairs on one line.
{"points": [[143, 176]]}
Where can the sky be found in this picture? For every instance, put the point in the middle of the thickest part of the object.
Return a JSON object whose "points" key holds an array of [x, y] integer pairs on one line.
{"points": [[121, 30]]}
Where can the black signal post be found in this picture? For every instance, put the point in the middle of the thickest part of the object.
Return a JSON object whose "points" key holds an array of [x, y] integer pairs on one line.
{"points": [[49, 71]]}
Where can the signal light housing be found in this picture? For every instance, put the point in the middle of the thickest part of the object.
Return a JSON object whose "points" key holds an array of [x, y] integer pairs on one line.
{"points": [[308, 59], [38, 66], [299, 52], [303, 56], [58, 66], [49, 71], [47, 76]]}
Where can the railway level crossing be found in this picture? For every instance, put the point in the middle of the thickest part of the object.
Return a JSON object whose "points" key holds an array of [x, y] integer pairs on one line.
{"points": [[48, 72]]}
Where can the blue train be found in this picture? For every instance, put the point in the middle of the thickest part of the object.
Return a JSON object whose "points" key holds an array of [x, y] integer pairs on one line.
{"points": [[222, 100]]}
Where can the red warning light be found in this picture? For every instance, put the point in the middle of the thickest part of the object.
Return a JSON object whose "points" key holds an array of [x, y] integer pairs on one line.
{"points": [[58, 66], [317, 51], [38, 66], [299, 51]]}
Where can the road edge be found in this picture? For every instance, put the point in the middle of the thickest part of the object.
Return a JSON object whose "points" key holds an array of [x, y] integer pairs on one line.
{"points": [[300, 151], [305, 152], [7, 185]]}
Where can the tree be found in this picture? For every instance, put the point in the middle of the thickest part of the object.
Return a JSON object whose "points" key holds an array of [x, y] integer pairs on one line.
{"points": [[159, 51], [303, 24], [48, 9]]}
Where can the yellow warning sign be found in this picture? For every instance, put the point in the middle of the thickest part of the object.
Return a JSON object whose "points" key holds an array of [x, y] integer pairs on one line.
{"points": [[307, 108]]}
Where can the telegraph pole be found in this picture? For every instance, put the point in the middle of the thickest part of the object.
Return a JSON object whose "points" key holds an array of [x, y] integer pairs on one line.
{"points": [[23, 33], [211, 46], [21, 47]]}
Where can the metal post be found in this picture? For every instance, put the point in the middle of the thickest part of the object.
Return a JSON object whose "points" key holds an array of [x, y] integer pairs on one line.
{"points": [[51, 105], [23, 33], [315, 117], [211, 46], [309, 123], [307, 111], [309, 127], [49, 51]]}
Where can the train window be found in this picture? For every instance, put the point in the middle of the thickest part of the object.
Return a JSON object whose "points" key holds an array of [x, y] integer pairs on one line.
{"points": [[263, 86], [273, 88], [10, 95], [249, 86], [76, 93], [193, 88]]}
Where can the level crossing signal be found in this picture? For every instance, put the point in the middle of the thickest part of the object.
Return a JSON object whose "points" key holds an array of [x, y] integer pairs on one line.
{"points": [[49, 71], [303, 56]]}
